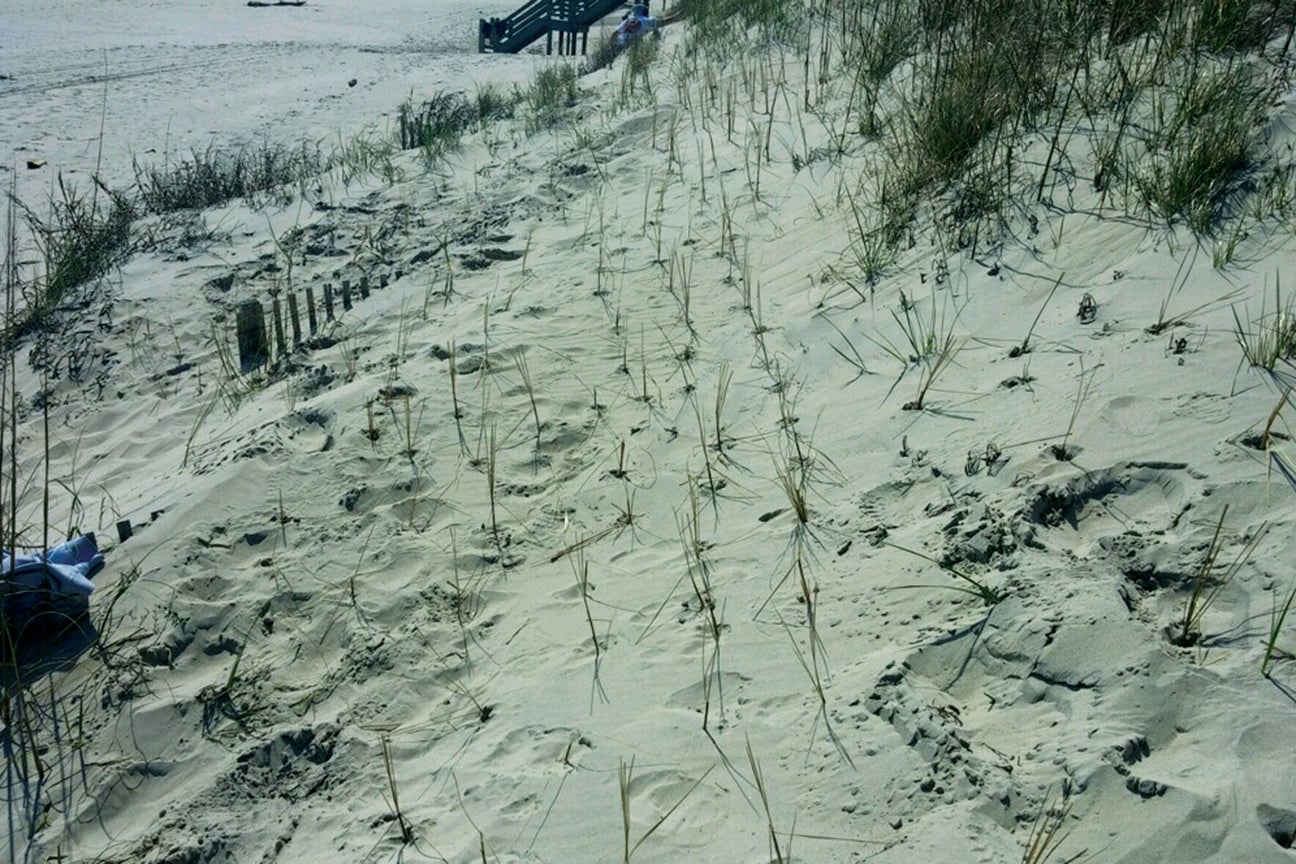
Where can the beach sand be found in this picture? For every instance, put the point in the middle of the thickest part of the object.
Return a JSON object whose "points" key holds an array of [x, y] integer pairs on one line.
{"points": [[603, 517], [90, 86]]}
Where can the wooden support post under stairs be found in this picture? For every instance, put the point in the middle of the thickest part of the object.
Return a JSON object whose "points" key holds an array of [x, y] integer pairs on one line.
{"points": [[570, 19], [310, 310]]}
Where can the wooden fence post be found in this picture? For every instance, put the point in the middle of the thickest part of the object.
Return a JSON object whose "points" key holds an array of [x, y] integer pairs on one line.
{"points": [[277, 311], [310, 310], [253, 346], [295, 317]]}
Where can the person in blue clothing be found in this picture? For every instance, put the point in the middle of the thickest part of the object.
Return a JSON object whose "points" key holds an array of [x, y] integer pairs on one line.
{"points": [[638, 23]]}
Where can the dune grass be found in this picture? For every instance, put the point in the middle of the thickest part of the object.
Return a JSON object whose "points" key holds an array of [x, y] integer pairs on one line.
{"points": [[553, 90], [976, 100], [727, 25], [1277, 620], [80, 237], [211, 177], [435, 125], [41, 631], [1201, 142], [1270, 337], [1172, 96], [1209, 582]]}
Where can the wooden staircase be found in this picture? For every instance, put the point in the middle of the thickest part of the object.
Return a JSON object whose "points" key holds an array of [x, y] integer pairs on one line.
{"points": [[568, 18]]}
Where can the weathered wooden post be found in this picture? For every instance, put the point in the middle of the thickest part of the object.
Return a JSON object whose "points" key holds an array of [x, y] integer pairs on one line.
{"points": [[310, 310], [277, 311], [328, 301], [295, 317], [364, 287], [346, 293], [254, 348]]}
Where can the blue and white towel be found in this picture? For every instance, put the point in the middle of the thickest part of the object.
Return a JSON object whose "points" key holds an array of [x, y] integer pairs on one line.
{"points": [[65, 569]]}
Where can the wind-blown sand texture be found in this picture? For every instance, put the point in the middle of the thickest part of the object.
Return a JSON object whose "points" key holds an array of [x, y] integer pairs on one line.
{"points": [[518, 534]]}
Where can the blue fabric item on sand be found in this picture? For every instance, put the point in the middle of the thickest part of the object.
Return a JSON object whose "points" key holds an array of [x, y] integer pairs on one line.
{"points": [[65, 569]]}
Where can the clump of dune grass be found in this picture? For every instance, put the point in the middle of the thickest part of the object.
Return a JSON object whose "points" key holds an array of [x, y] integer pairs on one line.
{"points": [[434, 125], [212, 177], [490, 103], [977, 87], [876, 44], [1234, 25], [1171, 95], [369, 152], [552, 92], [1202, 141]]}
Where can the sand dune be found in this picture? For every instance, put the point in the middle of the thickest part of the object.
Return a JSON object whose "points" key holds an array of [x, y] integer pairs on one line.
{"points": [[602, 515]]}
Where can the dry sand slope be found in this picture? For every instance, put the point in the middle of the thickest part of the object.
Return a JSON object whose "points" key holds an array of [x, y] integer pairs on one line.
{"points": [[601, 531]]}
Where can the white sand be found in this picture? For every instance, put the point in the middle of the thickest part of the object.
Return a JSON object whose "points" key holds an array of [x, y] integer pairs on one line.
{"points": [[355, 582]]}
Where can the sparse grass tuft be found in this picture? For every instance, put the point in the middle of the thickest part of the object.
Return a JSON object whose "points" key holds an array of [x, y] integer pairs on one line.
{"points": [[552, 91], [601, 55], [729, 25], [971, 585], [1277, 620], [1206, 585], [80, 240], [1044, 838], [1271, 336], [492, 104], [393, 800], [639, 59]]}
